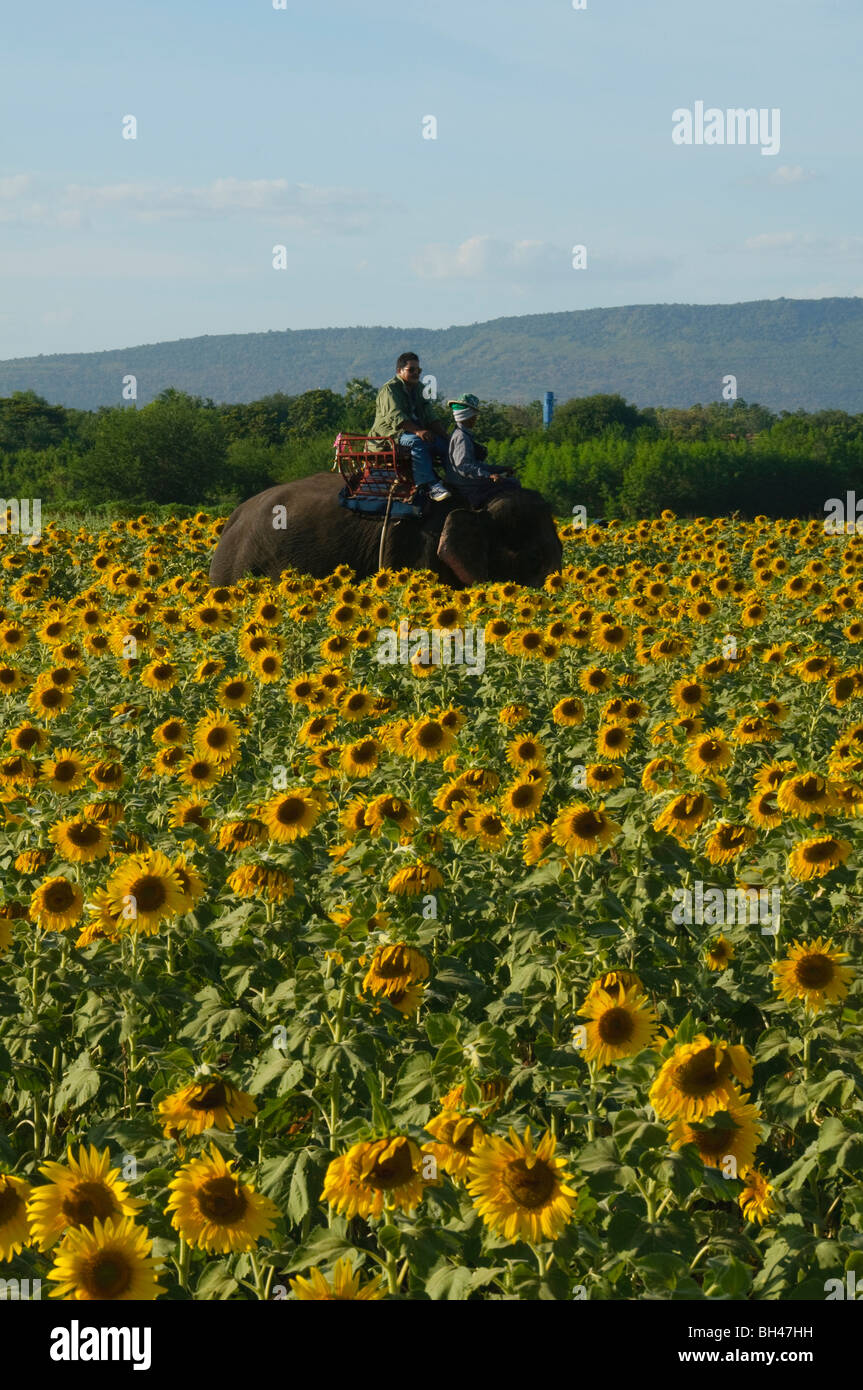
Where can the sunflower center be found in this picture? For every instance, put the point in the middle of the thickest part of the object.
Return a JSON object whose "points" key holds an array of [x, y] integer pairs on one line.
{"points": [[430, 736], [615, 1026], [211, 1099], [106, 1275], [149, 892], [222, 1201], [88, 1202], [65, 771], [49, 697], [393, 1171], [235, 690], [10, 1202], [814, 971], [218, 737], [700, 1075], [716, 1140], [587, 824], [59, 896], [523, 796], [83, 834], [290, 810], [529, 1186], [820, 852]]}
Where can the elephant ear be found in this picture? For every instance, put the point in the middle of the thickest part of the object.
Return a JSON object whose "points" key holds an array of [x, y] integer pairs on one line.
{"points": [[463, 546]]}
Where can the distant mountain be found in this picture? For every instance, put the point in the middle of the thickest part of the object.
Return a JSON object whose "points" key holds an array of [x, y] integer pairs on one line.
{"points": [[785, 353]]}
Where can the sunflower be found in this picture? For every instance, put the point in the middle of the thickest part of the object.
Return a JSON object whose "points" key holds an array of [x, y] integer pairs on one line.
{"points": [[708, 752], [291, 814], [356, 704], [621, 1024], [192, 886], [189, 811], [113, 1261], [456, 1137], [536, 842], [600, 777], [388, 808], [521, 1192], [731, 1132], [395, 967], [65, 772], [684, 813], [689, 697], [428, 739], [345, 1284], [415, 881], [374, 1175], [86, 1189], [360, 758], [261, 881], [160, 675], [719, 954], [756, 1200], [144, 890], [615, 983], [613, 741], [524, 753], [14, 1227], [817, 857], [580, 829], [26, 738], [569, 711], [513, 714], [486, 824], [210, 1102], [237, 835], [234, 692], [80, 840], [217, 737], [727, 841], [805, 795], [214, 1211], [813, 971], [521, 801], [56, 904], [695, 1080]]}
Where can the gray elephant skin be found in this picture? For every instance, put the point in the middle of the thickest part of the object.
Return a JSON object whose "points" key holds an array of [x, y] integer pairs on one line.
{"points": [[512, 537]]}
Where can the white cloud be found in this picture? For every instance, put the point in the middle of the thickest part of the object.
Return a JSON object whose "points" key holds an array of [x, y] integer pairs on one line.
{"points": [[487, 258], [791, 173], [848, 248], [290, 206]]}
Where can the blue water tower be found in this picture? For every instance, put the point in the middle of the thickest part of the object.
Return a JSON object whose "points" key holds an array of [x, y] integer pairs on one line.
{"points": [[547, 409]]}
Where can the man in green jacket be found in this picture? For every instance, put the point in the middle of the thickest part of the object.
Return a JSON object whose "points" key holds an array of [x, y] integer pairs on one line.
{"points": [[402, 411]]}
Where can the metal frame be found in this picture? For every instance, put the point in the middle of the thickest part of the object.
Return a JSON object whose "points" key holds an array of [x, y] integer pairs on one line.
{"points": [[387, 472]]}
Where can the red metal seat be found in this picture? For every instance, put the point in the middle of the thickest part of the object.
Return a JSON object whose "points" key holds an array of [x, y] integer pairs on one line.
{"points": [[384, 472]]}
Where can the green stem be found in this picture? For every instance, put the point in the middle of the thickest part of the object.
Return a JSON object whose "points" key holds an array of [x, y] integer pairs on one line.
{"points": [[182, 1262]]}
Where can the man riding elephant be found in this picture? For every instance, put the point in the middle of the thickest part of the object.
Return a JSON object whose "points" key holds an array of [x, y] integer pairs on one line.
{"points": [[403, 411]]}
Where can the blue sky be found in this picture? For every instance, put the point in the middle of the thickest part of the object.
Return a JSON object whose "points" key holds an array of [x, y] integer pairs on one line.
{"points": [[303, 127]]}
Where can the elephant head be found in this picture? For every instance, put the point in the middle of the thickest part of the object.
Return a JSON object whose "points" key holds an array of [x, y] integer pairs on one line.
{"points": [[513, 536]]}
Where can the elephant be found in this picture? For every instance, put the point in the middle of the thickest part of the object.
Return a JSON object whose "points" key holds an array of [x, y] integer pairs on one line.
{"points": [[511, 537]]}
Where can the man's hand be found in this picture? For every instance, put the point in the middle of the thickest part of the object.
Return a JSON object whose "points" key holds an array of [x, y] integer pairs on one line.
{"points": [[424, 434]]}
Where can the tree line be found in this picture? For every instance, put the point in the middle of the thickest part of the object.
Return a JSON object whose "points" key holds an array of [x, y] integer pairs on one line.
{"points": [[600, 451]]}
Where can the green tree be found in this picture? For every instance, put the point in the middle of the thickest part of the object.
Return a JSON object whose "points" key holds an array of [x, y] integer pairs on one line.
{"points": [[587, 417], [172, 450]]}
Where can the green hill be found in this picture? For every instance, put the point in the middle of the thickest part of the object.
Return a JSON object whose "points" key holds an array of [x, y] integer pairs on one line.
{"points": [[787, 354]]}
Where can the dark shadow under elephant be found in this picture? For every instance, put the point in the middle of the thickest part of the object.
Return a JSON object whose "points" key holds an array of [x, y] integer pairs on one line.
{"points": [[301, 526]]}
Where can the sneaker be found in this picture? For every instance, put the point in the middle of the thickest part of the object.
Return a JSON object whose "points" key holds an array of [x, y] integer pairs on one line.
{"points": [[438, 493]]}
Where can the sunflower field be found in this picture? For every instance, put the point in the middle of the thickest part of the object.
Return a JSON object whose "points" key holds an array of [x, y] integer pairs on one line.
{"points": [[328, 977]]}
